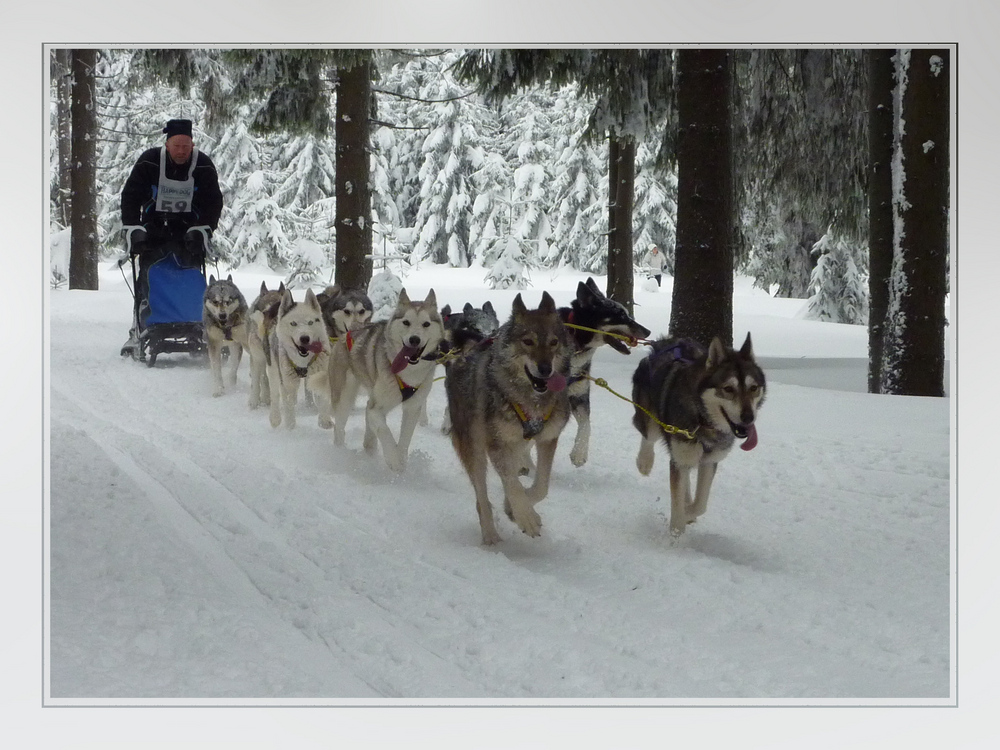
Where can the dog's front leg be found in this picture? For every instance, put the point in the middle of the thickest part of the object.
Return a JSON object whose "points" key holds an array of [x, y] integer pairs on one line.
{"points": [[408, 424], [377, 431], [516, 499], [215, 364], [644, 460], [274, 388], [289, 397], [581, 445], [706, 473], [477, 474], [680, 497], [540, 487], [319, 386], [235, 355]]}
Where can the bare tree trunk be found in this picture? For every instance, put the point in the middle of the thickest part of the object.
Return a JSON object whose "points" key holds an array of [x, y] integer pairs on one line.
{"points": [[880, 108], [83, 255], [914, 339], [622, 193], [354, 200], [702, 304], [63, 74]]}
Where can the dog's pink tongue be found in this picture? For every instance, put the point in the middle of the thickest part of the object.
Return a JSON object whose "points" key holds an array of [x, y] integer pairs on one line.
{"points": [[556, 382], [315, 347], [751, 442], [403, 358]]}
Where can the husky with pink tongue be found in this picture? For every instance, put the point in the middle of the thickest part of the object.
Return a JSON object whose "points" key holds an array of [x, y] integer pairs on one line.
{"points": [[298, 350], [503, 393], [699, 402], [394, 360]]}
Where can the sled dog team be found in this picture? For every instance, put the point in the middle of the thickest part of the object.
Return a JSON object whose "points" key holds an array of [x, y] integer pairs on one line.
{"points": [[510, 387]]}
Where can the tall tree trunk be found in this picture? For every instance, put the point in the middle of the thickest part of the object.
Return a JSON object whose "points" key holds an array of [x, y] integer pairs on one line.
{"points": [[83, 220], [702, 304], [622, 193], [880, 109], [914, 339], [354, 198], [63, 74]]}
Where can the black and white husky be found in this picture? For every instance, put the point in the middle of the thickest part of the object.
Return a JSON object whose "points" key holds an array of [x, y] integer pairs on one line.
{"points": [[394, 360], [593, 310], [224, 315], [713, 395]]}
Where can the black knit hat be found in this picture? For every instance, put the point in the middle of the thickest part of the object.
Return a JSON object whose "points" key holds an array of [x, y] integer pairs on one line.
{"points": [[178, 127]]}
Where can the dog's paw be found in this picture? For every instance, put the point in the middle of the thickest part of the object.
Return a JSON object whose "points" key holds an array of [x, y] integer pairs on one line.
{"points": [[275, 420], [325, 423], [644, 461], [529, 522], [217, 392], [578, 456], [491, 537]]}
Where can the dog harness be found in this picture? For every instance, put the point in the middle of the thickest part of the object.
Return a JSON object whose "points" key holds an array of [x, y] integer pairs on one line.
{"points": [[531, 426], [405, 389]]}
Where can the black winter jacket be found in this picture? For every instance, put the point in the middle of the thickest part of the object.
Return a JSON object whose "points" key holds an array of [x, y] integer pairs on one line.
{"points": [[139, 195]]}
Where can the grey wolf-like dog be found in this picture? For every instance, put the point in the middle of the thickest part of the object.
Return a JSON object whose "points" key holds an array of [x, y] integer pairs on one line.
{"points": [[503, 393], [224, 315], [712, 393], [299, 351], [394, 360]]}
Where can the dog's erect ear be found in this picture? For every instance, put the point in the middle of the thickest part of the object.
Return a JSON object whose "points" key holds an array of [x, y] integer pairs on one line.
{"points": [[517, 306], [286, 302], [211, 279], [446, 311], [468, 308], [311, 300], [592, 286], [488, 308], [431, 299], [404, 298], [716, 352], [281, 287], [263, 287], [747, 349], [229, 278], [548, 304]]}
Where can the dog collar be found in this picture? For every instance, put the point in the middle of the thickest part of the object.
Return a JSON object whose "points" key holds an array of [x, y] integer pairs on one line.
{"points": [[405, 389], [531, 426], [301, 372]]}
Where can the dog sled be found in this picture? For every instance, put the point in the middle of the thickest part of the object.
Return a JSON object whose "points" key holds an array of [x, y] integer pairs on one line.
{"points": [[168, 288]]}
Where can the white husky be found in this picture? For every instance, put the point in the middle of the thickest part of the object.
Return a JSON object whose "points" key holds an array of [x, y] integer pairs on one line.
{"points": [[299, 349], [394, 360]]}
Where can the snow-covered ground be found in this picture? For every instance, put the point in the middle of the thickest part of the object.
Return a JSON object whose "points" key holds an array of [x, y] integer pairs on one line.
{"points": [[197, 554]]}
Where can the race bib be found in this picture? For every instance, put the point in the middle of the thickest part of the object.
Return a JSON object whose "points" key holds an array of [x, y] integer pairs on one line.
{"points": [[175, 196]]}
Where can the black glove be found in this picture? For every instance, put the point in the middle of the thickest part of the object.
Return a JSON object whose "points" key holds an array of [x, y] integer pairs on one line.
{"points": [[135, 239], [196, 239]]}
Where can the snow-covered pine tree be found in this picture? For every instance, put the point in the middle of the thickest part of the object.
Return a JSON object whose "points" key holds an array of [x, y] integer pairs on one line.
{"points": [[800, 144], [654, 216], [840, 290], [451, 154], [579, 187]]}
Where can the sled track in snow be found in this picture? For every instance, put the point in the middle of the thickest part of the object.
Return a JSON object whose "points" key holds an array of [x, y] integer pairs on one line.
{"points": [[191, 516]]}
